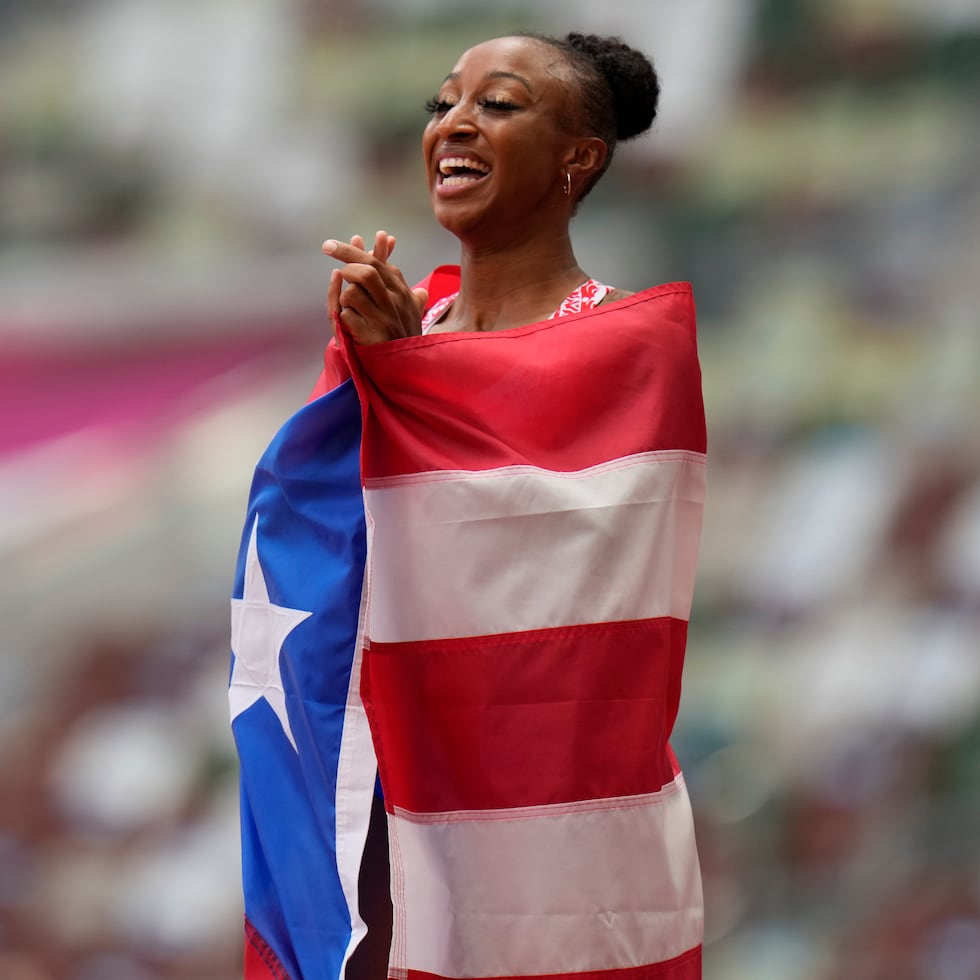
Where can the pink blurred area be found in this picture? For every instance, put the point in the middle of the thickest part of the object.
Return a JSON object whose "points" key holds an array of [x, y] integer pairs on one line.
{"points": [[168, 174], [135, 386]]}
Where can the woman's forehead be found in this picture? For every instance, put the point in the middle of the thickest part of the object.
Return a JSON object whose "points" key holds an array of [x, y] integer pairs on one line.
{"points": [[526, 56]]}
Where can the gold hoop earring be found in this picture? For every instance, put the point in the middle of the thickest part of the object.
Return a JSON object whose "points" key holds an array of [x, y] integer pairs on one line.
{"points": [[568, 184]]}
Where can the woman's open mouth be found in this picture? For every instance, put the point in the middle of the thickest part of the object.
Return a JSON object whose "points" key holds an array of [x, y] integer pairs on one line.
{"points": [[457, 171]]}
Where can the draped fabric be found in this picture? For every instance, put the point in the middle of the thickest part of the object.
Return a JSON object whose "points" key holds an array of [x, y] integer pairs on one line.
{"points": [[517, 590]]}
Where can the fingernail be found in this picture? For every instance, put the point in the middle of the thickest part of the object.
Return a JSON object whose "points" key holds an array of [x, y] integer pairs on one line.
{"points": [[329, 245]]}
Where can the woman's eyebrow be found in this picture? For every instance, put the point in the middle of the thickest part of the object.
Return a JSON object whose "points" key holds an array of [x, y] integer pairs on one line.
{"points": [[510, 74], [454, 75]]}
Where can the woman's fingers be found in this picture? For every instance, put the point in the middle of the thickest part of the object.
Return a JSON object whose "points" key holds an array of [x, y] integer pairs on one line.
{"points": [[334, 287], [344, 252], [353, 255], [364, 284], [384, 245], [370, 297]]}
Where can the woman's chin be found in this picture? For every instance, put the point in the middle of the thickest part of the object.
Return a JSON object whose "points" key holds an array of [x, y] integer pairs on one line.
{"points": [[456, 215]]}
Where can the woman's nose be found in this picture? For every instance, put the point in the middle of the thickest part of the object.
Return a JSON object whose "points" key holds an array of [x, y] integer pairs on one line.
{"points": [[457, 121]]}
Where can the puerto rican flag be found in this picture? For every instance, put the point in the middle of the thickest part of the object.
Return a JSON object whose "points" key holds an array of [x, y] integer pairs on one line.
{"points": [[502, 627]]}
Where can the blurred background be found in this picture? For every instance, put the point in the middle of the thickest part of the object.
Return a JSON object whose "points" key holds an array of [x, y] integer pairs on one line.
{"points": [[168, 171]]}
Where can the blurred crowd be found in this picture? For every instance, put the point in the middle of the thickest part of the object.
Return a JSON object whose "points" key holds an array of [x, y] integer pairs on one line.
{"points": [[167, 173]]}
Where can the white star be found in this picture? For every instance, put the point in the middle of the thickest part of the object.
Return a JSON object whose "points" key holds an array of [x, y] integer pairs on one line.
{"points": [[258, 629]]}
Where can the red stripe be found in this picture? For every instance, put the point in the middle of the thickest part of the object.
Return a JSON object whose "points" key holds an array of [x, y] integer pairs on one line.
{"points": [[622, 378], [687, 966], [335, 371], [525, 719], [261, 963]]}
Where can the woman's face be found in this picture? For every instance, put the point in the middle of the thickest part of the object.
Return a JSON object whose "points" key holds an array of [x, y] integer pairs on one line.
{"points": [[495, 147]]}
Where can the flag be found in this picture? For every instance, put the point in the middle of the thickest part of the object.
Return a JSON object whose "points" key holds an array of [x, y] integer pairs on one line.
{"points": [[307, 764], [534, 499], [306, 761], [532, 509]]}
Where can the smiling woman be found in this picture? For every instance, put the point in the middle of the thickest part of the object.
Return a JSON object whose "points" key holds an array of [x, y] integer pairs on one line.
{"points": [[505, 647], [521, 130]]}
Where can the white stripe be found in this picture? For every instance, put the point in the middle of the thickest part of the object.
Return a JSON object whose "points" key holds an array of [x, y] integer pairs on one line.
{"points": [[548, 890], [356, 776], [520, 548]]}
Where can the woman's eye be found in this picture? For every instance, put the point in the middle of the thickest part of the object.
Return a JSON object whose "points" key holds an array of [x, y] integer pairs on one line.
{"points": [[438, 107], [499, 105]]}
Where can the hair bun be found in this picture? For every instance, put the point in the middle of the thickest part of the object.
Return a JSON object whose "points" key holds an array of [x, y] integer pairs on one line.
{"points": [[631, 79]]}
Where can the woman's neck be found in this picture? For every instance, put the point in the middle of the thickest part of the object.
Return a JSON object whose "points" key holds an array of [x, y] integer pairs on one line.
{"points": [[510, 287]]}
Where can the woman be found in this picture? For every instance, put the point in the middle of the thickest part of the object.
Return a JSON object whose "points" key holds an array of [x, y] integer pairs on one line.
{"points": [[528, 445], [509, 154]]}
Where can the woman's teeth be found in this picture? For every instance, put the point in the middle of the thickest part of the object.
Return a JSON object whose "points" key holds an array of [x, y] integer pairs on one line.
{"points": [[472, 170]]}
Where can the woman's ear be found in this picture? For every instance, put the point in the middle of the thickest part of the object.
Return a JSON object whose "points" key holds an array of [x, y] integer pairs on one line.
{"points": [[586, 159]]}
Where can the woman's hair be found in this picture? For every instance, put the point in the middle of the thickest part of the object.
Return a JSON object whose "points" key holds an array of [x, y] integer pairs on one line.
{"points": [[618, 89]]}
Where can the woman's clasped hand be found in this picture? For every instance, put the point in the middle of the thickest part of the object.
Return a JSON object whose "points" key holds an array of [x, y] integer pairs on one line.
{"points": [[369, 297]]}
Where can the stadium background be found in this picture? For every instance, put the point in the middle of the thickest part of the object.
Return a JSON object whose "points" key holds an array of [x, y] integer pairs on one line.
{"points": [[167, 173]]}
